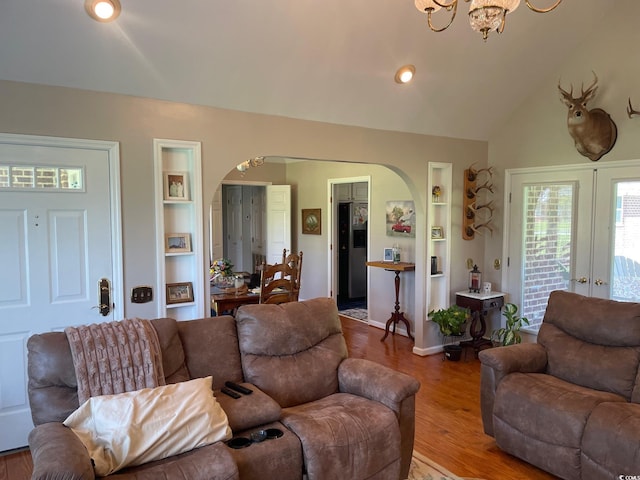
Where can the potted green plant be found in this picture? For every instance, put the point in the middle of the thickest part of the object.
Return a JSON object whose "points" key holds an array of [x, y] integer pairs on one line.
{"points": [[510, 333], [452, 321]]}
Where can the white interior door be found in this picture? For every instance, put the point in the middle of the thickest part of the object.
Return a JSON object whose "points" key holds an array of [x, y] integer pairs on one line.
{"points": [[233, 244], [59, 236], [278, 213]]}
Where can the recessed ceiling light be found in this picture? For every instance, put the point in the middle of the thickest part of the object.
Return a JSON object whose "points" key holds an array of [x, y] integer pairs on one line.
{"points": [[405, 74], [103, 10]]}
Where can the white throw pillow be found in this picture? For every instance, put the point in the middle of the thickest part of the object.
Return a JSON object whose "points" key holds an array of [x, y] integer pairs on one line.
{"points": [[150, 424]]}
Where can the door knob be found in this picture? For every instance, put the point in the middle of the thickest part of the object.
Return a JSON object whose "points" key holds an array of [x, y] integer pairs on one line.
{"points": [[580, 280], [600, 282], [104, 297]]}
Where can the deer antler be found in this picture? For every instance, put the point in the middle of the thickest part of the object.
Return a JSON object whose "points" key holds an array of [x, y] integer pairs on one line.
{"points": [[630, 111], [485, 186], [476, 228]]}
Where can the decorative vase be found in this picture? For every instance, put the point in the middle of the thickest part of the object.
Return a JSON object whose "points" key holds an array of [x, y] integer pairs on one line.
{"points": [[224, 281]]}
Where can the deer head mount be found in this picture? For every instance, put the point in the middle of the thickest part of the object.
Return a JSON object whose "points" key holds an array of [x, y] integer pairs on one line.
{"points": [[593, 131]]}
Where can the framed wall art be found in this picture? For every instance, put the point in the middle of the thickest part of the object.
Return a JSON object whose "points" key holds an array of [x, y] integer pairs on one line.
{"points": [[312, 221], [177, 242], [179, 293], [400, 219], [176, 186], [437, 232]]}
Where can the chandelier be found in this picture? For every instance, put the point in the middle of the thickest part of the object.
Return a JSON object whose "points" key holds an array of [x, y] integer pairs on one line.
{"points": [[247, 164], [484, 15]]}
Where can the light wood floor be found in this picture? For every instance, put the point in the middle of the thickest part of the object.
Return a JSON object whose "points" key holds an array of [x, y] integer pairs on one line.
{"points": [[448, 426]]}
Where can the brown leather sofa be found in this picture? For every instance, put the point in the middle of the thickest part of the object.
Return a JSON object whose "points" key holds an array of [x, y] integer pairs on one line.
{"points": [[341, 417], [570, 403]]}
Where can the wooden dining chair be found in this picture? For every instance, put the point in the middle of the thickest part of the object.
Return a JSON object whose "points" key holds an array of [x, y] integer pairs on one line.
{"points": [[294, 260], [277, 283]]}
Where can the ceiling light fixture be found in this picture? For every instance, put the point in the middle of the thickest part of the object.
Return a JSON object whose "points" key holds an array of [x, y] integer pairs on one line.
{"points": [[103, 10], [247, 164], [484, 15], [405, 74]]}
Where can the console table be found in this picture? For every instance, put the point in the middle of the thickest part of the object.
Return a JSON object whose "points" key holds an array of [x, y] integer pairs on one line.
{"points": [[479, 304], [396, 315]]}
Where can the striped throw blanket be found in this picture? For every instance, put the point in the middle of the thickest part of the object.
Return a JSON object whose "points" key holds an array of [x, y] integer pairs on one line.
{"points": [[115, 357]]}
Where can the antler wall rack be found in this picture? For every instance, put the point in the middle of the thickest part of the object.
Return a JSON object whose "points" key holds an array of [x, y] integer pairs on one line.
{"points": [[475, 215]]}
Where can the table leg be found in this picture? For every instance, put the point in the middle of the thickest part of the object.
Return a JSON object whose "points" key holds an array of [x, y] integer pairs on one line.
{"points": [[397, 315], [477, 341]]}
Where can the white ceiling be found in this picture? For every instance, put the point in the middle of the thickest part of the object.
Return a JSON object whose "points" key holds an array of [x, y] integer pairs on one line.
{"points": [[330, 60]]}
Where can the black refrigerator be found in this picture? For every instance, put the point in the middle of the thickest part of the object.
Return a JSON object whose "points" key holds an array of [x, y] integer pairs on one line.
{"points": [[352, 251]]}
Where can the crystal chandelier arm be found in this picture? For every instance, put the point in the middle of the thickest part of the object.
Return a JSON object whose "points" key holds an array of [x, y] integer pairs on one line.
{"points": [[453, 6], [540, 10]]}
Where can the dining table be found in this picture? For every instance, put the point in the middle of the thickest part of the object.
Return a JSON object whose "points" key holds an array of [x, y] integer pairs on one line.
{"points": [[226, 302]]}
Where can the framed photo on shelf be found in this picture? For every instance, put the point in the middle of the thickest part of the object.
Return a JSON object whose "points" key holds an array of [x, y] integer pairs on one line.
{"points": [[176, 186], [179, 293], [388, 255], [437, 232], [177, 242], [312, 221]]}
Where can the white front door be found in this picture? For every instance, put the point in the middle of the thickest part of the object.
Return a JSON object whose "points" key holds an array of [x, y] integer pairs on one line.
{"points": [[59, 237]]}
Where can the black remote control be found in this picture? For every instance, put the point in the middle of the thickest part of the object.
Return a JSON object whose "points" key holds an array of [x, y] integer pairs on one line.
{"points": [[238, 388], [230, 392]]}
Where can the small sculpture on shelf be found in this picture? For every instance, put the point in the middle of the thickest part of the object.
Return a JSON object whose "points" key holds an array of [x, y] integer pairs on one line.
{"points": [[436, 193]]}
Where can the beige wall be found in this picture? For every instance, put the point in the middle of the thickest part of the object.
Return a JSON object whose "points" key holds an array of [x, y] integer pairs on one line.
{"points": [[536, 134], [228, 138]]}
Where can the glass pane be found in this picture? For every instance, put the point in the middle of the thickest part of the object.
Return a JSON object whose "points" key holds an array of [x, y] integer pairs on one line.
{"points": [[626, 264], [22, 177], [4, 177], [71, 178], [46, 177], [547, 241]]}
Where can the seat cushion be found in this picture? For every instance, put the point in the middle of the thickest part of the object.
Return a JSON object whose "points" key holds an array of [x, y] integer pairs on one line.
{"points": [[541, 419], [610, 444], [345, 436]]}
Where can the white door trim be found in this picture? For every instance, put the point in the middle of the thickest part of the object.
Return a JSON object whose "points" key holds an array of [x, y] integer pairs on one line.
{"points": [[113, 151]]}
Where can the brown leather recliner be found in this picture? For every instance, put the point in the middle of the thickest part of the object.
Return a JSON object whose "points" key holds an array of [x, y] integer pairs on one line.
{"points": [[569, 403]]}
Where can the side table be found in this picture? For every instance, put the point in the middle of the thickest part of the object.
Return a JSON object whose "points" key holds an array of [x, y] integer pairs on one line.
{"points": [[396, 315], [479, 304]]}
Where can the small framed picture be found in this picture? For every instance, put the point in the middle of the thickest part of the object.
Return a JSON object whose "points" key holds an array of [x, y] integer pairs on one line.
{"points": [[177, 242], [176, 186], [388, 255], [179, 293], [437, 232], [311, 221]]}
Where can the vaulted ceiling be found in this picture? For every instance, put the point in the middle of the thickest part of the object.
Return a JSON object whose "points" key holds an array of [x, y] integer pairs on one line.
{"points": [[330, 61]]}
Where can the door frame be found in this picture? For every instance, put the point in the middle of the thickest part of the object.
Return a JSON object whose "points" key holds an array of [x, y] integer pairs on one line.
{"points": [[332, 238], [113, 153], [509, 173]]}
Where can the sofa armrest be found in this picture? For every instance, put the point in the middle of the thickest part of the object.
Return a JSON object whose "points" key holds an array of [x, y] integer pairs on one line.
{"points": [[58, 453], [500, 362], [376, 382], [393, 389]]}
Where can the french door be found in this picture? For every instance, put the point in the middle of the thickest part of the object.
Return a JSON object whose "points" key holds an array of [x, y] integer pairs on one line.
{"points": [[572, 228]]}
